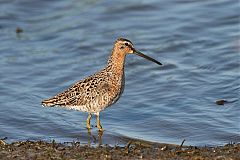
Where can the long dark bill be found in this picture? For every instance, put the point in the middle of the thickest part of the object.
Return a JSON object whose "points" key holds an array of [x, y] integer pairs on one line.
{"points": [[146, 57]]}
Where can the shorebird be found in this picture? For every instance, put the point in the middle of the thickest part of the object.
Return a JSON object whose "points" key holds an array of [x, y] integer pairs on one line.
{"points": [[100, 90]]}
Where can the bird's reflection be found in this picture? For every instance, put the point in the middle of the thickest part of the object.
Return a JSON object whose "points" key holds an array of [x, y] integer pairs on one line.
{"points": [[92, 138]]}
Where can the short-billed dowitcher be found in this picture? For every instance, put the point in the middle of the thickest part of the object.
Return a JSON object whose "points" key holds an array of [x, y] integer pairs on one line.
{"points": [[100, 90]]}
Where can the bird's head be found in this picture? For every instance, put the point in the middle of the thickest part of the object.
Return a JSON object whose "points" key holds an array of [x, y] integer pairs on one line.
{"points": [[125, 46]]}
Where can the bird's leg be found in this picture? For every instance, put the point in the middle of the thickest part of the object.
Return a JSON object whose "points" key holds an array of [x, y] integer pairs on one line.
{"points": [[89, 137], [88, 121], [98, 122], [100, 134]]}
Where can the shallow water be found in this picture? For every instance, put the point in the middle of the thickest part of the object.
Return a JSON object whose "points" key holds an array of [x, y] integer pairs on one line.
{"points": [[65, 41]]}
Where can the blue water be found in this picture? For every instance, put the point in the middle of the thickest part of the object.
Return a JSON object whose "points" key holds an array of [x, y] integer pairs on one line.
{"points": [[65, 41]]}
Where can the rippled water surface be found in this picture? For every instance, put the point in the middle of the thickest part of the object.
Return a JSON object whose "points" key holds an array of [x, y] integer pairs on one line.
{"points": [[65, 41]]}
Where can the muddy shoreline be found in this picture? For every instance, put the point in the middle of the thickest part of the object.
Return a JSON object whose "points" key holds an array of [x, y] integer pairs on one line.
{"points": [[134, 149]]}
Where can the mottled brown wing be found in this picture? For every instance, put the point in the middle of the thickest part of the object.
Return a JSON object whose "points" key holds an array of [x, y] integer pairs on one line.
{"points": [[92, 92]]}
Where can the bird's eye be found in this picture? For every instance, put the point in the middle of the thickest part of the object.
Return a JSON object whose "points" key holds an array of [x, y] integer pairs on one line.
{"points": [[126, 44]]}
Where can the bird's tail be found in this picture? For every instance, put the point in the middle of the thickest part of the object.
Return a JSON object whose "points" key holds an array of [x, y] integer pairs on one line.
{"points": [[50, 102]]}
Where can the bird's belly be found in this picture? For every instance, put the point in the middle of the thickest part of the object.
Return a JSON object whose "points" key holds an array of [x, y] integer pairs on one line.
{"points": [[82, 108]]}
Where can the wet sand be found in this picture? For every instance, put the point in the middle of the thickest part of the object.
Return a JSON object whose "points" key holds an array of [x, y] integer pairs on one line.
{"points": [[134, 149]]}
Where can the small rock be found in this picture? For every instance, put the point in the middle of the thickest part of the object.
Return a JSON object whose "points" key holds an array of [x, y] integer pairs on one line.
{"points": [[2, 142], [164, 148]]}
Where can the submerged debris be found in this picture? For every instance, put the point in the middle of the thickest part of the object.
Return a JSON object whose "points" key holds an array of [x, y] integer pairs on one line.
{"points": [[221, 102], [19, 30]]}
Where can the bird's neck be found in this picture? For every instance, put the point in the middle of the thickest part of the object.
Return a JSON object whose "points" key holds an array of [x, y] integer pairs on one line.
{"points": [[116, 62]]}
